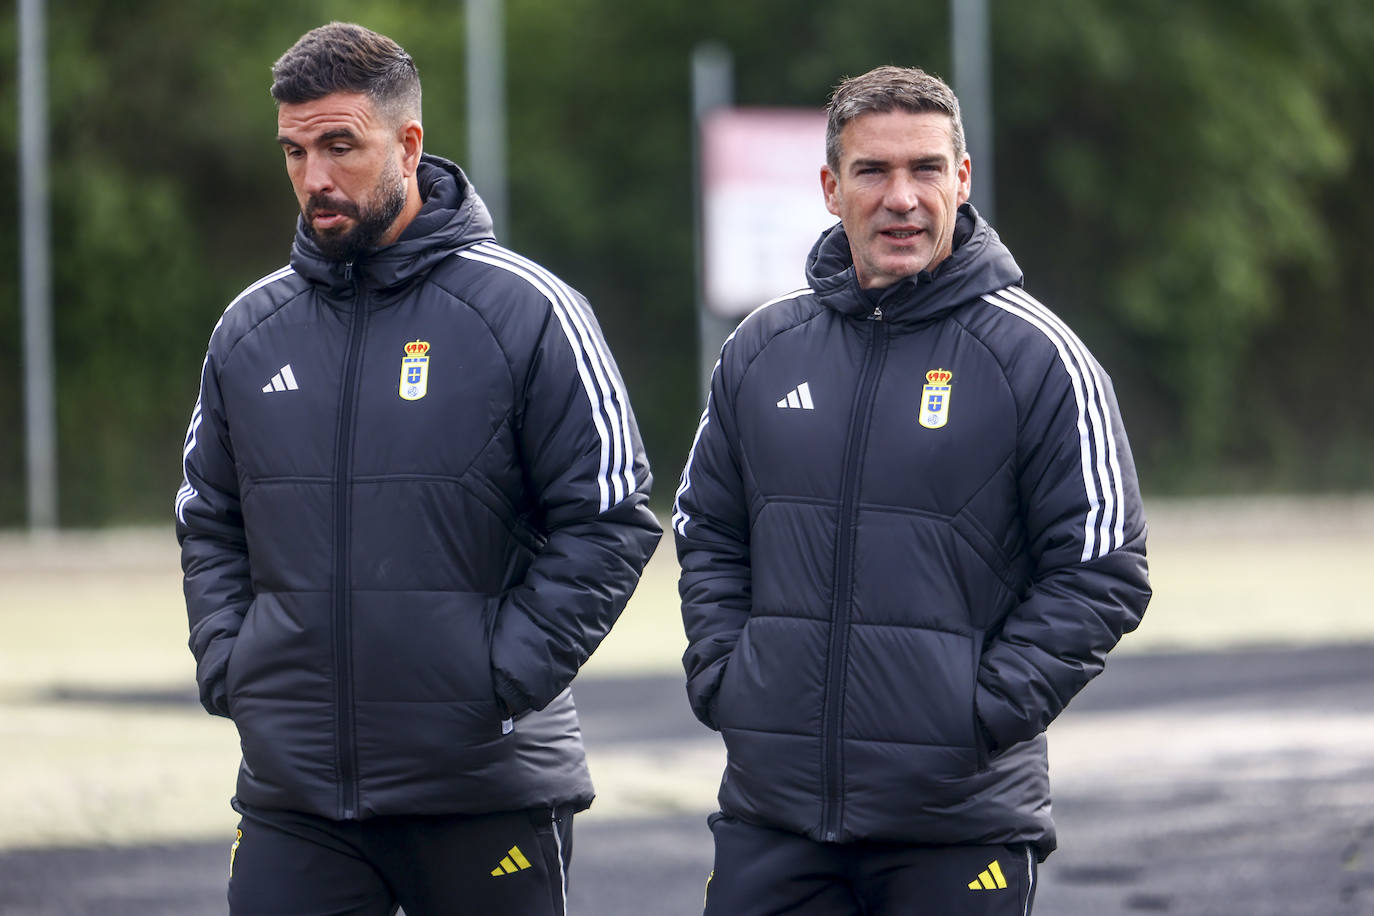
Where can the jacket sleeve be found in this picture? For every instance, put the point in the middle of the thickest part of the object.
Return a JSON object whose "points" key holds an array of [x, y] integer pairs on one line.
{"points": [[589, 476], [711, 528], [1086, 537], [214, 554]]}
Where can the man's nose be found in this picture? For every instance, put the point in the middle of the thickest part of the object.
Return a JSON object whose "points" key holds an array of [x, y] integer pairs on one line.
{"points": [[901, 194], [318, 178]]}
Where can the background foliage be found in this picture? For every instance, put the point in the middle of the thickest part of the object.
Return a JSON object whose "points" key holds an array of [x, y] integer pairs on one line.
{"points": [[1189, 185]]}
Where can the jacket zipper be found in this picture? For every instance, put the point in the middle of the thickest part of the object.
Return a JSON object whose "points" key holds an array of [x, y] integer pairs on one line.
{"points": [[342, 603], [832, 739]]}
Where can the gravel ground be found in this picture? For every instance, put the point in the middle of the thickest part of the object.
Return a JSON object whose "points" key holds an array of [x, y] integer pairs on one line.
{"points": [[1223, 765], [1196, 784]]}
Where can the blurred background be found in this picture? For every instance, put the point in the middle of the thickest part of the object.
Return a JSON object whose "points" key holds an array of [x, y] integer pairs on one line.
{"points": [[1191, 186]]}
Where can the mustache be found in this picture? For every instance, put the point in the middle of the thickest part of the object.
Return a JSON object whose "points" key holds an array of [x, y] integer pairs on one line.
{"points": [[318, 202]]}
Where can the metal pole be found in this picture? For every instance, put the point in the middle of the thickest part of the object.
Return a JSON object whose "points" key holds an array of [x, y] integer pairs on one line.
{"points": [[972, 61], [36, 271], [486, 60], [713, 86]]}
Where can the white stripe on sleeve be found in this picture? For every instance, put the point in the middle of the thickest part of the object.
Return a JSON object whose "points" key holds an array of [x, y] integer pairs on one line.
{"points": [[1097, 444], [600, 381], [1113, 528]]}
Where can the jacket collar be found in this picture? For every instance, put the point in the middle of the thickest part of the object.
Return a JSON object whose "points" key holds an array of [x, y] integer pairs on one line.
{"points": [[979, 264], [452, 217]]}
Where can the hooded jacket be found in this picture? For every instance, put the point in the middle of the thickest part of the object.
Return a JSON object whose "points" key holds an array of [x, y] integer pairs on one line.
{"points": [[910, 531], [414, 503]]}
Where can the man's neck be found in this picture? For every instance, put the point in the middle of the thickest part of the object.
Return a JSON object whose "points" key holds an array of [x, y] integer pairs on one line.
{"points": [[407, 214]]}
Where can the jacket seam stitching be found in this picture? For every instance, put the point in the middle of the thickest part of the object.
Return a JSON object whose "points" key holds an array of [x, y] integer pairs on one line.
{"points": [[996, 358], [812, 302], [470, 305], [248, 332]]}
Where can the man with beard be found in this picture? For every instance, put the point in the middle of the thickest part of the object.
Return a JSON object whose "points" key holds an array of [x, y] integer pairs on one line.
{"points": [[414, 503]]}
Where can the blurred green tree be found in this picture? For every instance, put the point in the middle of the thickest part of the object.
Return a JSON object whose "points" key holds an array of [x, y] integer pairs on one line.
{"points": [[1170, 177], [1189, 186]]}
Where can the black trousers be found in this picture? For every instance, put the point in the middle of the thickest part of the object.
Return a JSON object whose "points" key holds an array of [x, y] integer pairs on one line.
{"points": [[763, 872], [514, 863]]}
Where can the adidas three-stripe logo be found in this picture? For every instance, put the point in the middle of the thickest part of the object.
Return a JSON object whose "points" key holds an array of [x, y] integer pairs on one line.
{"points": [[798, 398], [513, 862], [990, 879], [284, 380]]}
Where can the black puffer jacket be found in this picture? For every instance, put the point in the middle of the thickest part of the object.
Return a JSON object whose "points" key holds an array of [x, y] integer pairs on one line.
{"points": [[910, 531], [385, 560]]}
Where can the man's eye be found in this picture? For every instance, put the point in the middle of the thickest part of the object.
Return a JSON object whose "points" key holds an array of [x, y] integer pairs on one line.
{"points": [[340, 150]]}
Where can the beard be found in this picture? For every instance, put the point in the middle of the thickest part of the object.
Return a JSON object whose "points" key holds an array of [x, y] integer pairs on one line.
{"points": [[371, 219]]}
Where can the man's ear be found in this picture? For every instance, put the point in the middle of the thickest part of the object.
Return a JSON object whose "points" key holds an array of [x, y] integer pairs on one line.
{"points": [[411, 136], [830, 188]]}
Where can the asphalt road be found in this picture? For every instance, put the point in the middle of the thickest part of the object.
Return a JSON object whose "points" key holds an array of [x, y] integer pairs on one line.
{"points": [[1237, 784]]}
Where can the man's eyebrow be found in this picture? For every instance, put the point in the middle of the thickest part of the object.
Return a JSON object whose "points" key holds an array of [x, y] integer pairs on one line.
{"points": [[915, 162], [342, 133]]}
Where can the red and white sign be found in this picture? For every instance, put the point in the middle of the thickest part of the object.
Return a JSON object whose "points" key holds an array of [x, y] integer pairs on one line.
{"points": [[762, 207]]}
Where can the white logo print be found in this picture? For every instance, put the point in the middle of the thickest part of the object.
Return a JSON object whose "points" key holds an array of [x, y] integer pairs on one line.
{"points": [[798, 398], [285, 380]]}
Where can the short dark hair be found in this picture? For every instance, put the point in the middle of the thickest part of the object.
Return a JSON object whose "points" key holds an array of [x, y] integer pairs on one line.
{"points": [[885, 89], [344, 57]]}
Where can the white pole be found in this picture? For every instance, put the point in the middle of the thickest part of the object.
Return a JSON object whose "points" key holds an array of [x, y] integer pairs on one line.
{"points": [[973, 83], [486, 72], [36, 272]]}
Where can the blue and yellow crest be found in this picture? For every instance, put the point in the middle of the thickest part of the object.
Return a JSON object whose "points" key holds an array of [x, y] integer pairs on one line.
{"points": [[935, 398], [415, 370]]}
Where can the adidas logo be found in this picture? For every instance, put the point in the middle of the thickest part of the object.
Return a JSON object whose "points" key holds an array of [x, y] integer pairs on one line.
{"points": [[513, 862], [990, 879], [798, 398], [285, 380]]}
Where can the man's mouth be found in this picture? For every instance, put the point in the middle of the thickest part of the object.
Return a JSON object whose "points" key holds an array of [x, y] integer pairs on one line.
{"points": [[328, 214], [901, 234]]}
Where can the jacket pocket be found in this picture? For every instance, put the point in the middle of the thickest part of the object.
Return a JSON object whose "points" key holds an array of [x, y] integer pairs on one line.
{"points": [[722, 703], [423, 688], [981, 752], [239, 651], [423, 647], [282, 651], [509, 703]]}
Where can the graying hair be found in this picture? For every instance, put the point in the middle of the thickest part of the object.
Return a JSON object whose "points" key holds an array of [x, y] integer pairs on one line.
{"points": [[885, 89]]}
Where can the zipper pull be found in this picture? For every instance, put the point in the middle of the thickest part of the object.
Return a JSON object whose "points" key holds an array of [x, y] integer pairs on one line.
{"points": [[348, 271], [877, 314]]}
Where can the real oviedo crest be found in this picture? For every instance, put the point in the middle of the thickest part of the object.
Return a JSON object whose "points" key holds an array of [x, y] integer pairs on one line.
{"points": [[415, 370], [935, 398]]}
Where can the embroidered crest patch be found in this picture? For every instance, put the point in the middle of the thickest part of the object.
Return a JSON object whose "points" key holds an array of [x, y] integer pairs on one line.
{"points": [[935, 398], [415, 370]]}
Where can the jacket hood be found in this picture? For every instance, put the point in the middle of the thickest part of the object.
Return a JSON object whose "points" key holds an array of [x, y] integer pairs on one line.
{"points": [[979, 264], [451, 217]]}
